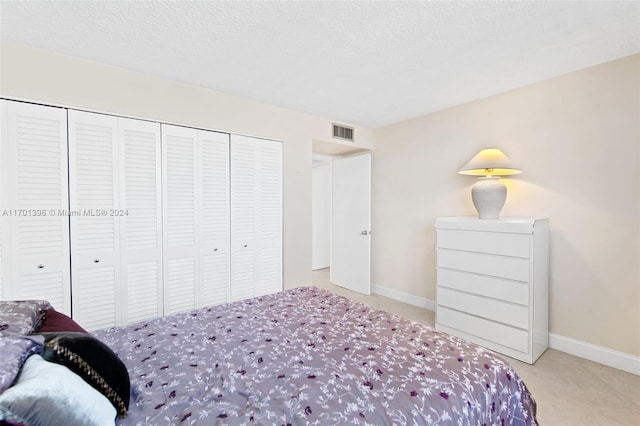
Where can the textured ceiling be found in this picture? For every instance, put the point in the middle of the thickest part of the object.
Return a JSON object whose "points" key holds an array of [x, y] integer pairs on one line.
{"points": [[360, 62]]}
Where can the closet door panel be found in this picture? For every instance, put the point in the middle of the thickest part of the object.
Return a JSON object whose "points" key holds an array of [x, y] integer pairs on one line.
{"points": [[214, 276], [95, 229], [94, 293], [269, 241], [180, 285], [35, 192], [256, 217], [180, 220], [214, 211], [243, 274], [5, 225], [140, 214], [244, 157]]}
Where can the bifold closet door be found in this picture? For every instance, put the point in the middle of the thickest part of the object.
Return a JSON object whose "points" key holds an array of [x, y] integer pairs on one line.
{"points": [[95, 234], [256, 217], [141, 219], [116, 254], [196, 211], [35, 228], [5, 264], [213, 211]]}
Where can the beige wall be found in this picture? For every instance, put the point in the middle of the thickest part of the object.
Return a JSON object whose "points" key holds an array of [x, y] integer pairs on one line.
{"points": [[577, 139], [36, 75]]}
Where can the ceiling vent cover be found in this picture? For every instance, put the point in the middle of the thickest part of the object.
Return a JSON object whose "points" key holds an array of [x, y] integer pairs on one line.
{"points": [[343, 132]]}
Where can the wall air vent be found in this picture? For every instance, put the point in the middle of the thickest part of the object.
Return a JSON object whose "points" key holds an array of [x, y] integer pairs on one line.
{"points": [[343, 132]]}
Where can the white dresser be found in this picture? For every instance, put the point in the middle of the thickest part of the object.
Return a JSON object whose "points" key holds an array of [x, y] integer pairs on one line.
{"points": [[493, 283]]}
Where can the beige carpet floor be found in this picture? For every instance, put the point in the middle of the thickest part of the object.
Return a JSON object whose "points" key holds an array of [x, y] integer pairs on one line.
{"points": [[569, 390]]}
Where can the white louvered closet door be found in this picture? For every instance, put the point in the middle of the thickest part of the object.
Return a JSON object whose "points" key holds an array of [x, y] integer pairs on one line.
{"points": [[256, 217], [34, 189], [95, 231], [5, 224], [243, 217], [269, 230], [213, 149], [140, 218], [180, 218]]}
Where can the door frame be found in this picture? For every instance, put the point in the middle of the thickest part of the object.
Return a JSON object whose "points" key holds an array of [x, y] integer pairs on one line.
{"points": [[324, 157]]}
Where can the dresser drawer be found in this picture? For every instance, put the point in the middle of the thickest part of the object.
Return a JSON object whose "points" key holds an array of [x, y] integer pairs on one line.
{"points": [[484, 285], [513, 268], [495, 310], [498, 333], [485, 242]]}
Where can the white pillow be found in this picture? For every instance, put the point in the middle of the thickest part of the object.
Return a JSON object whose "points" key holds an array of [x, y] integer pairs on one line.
{"points": [[50, 394]]}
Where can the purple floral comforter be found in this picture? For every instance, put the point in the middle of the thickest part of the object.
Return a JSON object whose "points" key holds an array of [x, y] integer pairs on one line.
{"points": [[308, 356]]}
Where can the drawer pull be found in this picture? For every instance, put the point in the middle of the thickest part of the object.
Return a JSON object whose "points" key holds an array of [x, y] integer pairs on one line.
{"points": [[40, 266]]}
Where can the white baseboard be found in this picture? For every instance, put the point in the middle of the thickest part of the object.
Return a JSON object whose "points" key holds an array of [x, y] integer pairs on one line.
{"points": [[609, 357], [401, 296], [599, 354]]}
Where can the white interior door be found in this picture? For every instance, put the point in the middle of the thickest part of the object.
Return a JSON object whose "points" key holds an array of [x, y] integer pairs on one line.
{"points": [[351, 223]]}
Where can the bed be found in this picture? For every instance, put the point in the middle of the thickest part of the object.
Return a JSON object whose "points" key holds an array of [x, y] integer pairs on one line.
{"points": [[309, 356]]}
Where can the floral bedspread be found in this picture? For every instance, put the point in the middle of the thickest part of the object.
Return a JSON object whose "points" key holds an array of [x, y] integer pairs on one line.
{"points": [[309, 356]]}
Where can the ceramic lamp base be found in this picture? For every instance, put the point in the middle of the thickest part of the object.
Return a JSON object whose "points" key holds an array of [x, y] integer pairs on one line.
{"points": [[489, 195]]}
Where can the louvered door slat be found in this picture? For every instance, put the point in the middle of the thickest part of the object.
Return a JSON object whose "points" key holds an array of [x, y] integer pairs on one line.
{"points": [[34, 176]]}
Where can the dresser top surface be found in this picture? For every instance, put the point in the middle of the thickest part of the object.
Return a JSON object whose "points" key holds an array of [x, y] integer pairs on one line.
{"points": [[522, 225]]}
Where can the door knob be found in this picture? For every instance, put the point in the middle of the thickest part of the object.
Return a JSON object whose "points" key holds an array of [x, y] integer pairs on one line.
{"points": [[365, 232], [215, 249]]}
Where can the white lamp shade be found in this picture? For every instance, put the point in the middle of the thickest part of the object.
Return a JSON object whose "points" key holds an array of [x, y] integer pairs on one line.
{"points": [[489, 162]]}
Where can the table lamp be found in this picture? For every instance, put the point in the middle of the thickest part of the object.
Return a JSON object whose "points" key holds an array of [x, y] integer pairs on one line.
{"points": [[489, 193]]}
